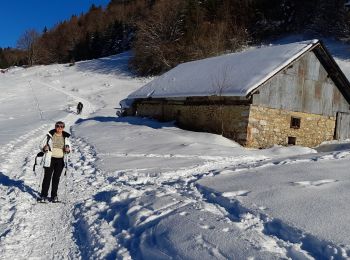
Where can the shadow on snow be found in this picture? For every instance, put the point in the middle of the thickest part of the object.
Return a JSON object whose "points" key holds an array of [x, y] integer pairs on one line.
{"points": [[117, 216], [129, 120], [8, 182], [116, 64], [335, 147], [85, 241]]}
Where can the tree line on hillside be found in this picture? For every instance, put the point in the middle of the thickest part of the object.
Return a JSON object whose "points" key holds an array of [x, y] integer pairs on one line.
{"points": [[164, 33]]}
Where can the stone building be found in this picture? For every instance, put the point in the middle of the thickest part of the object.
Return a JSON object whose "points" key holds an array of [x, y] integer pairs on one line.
{"points": [[292, 94]]}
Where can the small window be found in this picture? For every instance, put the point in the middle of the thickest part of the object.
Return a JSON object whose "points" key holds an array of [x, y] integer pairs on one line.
{"points": [[292, 140], [295, 122]]}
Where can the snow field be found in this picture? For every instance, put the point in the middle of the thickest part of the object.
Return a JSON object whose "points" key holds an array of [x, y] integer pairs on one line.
{"points": [[278, 207], [134, 186], [140, 189]]}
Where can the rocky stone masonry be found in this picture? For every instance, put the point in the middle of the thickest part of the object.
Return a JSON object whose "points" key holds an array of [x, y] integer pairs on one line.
{"points": [[251, 126], [229, 120], [269, 126]]}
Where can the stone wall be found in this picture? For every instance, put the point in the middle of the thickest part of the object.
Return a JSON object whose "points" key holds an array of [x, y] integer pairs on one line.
{"points": [[269, 126], [229, 120], [153, 110], [251, 126]]}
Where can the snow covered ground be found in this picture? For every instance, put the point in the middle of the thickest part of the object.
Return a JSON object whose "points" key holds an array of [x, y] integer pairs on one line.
{"points": [[140, 189]]}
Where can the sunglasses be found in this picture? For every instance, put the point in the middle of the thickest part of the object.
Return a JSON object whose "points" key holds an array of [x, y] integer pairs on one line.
{"points": [[59, 126]]}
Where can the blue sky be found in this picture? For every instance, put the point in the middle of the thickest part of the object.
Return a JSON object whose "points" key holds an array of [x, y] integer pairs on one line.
{"points": [[16, 16]]}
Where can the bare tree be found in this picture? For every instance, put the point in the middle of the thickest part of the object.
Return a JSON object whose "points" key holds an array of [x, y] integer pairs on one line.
{"points": [[220, 83], [159, 37], [28, 42]]}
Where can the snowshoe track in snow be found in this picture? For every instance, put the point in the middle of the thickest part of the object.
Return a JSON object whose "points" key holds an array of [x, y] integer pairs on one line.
{"points": [[29, 228]]}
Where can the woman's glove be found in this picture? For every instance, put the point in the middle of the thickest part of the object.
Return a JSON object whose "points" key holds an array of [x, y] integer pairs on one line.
{"points": [[66, 149]]}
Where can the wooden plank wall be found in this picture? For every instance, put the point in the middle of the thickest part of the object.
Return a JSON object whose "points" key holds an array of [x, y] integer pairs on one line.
{"points": [[302, 87]]}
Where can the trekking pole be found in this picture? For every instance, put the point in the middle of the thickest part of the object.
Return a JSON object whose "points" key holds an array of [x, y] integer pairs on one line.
{"points": [[65, 179], [65, 189]]}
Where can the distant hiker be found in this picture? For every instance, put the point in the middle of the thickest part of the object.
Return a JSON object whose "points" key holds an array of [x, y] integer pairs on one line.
{"points": [[79, 108], [55, 146]]}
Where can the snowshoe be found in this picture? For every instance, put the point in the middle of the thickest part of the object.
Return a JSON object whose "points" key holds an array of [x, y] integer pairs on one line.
{"points": [[55, 200], [42, 199]]}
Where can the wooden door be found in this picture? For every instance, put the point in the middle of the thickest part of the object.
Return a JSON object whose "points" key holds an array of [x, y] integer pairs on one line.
{"points": [[342, 130]]}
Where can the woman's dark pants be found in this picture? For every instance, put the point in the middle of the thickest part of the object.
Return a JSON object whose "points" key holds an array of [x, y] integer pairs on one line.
{"points": [[54, 172]]}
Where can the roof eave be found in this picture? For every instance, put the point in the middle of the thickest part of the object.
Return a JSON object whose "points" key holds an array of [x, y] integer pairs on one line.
{"points": [[333, 70], [283, 66]]}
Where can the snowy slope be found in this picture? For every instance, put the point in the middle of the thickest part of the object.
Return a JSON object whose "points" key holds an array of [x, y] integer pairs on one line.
{"points": [[140, 189]]}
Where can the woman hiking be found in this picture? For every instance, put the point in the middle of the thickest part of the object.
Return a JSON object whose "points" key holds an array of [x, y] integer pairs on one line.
{"points": [[56, 147]]}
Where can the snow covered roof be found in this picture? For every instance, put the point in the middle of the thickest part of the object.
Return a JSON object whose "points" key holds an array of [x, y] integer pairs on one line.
{"points": [[235, 74]]}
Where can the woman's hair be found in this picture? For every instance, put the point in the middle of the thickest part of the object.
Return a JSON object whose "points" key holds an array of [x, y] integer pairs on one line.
{"points": [[60, 123]]}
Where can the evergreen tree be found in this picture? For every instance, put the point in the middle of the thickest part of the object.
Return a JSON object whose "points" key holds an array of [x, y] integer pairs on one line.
{"points": [[96, 45], [330, 18], [116, 38], [3, 63], [81, 50]]}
